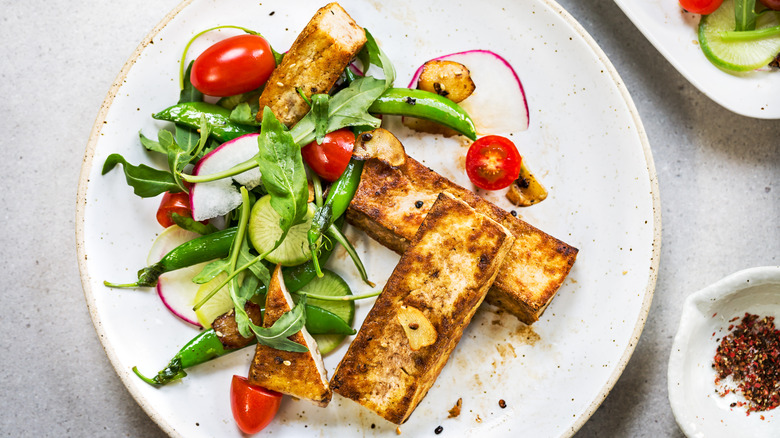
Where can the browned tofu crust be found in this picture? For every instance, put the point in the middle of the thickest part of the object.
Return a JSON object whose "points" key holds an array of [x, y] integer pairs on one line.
{"points": [[313, 64], [445, 274], [296, 374], [226, 328], [385, 207]]}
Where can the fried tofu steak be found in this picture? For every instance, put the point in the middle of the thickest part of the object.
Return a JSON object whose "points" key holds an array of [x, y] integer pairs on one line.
{"points": [[313, 64], [417, 321], [386, 208], [300, 375]]}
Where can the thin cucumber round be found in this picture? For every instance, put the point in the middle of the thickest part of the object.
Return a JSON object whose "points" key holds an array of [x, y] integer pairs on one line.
{"points": [[264, 231], [331, 284], [736, 55]]}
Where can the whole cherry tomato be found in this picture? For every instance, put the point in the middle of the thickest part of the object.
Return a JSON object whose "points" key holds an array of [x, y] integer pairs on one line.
{"points": [[703, 7], [492, 162], [772, 4], [253, 406], [329, 159], [233, 66], [173, 203]]}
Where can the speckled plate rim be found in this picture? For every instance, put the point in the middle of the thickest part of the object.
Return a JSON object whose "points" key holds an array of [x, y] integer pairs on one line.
{"points": [[87, 163], [724, 288]]}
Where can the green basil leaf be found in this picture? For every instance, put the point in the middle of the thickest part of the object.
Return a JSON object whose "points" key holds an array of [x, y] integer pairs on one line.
{"points": [[151, 145], [145, 181], [319, 110], [283, 175], [189, 93], [745, 14], [243, 114]]}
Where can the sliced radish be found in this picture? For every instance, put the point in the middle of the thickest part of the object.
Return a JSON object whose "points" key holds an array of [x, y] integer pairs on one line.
{"points": [[498, 104], [216, 198], [175, 288]]}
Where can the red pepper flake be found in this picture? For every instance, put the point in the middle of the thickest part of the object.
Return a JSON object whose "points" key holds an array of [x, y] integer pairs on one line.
{"points": [[750, 354]]}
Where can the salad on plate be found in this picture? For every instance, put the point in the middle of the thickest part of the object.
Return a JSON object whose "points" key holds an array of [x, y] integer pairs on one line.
{"points": [[270, 153]]}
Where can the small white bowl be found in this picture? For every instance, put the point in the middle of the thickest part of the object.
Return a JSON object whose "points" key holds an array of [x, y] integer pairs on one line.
{"points": [[699, 411]]}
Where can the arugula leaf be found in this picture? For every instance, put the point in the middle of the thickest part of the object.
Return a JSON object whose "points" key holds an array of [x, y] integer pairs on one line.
{"points": [[210, 271], [745, 14], [145, 181], [151, 145], [177, 157], [244, 114], [258, 270], [282, 172], [319, 111], [287, 325], [189, 93]]}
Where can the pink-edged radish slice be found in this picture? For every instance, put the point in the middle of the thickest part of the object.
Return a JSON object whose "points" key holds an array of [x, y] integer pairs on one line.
{"points": [[216, 198], [498, 104], [175, 288]]}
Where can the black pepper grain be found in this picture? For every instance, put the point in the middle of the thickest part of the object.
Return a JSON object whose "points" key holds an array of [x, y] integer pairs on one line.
{"points": [[410, 100], [514, 213], [418, 204], [502, 403], [367, 136], [438, 430]]}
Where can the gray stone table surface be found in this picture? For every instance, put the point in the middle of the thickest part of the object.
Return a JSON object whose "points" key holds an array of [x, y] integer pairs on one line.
{"points": [[718, 176]]}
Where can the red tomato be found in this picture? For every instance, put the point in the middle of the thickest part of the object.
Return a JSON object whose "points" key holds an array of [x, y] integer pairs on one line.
{"points": [[701, 6], [493, 162], [253, 407], [233, 66], [173, 203], [329, 159], [772, 4]]}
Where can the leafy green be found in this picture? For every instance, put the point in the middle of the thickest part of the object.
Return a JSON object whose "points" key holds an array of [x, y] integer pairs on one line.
{"points": [[189, 93], [145, 181], [745, 14], [191, 224], [244, 114], [319, 111], [151, 145], [282, 172]]}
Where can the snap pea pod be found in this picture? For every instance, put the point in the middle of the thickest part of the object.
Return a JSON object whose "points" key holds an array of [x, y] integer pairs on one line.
{"points": [[198, 250], [207, 345], [340, 195], [218, 118], [425, 105]]}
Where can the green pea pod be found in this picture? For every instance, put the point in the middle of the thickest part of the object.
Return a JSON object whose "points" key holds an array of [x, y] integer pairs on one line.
{"points": [[198, 250], [218, 118], [340, 195], [206, 345], [424, 105]]}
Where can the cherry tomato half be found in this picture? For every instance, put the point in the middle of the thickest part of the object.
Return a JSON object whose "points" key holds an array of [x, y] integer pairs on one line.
{"points": [[772, 4], [173, 203], [329, 159], [492, 162], [701, 6], [253, 406], [233, 66]]}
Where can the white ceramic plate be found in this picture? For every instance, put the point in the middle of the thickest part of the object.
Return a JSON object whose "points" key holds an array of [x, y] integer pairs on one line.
{"points": [[705, 319], [675, 34], [585, 141]]}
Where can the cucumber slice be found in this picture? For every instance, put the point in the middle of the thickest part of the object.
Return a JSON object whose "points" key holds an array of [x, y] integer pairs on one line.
{"points": [[332, 285], [736, 55], [264, 231]]}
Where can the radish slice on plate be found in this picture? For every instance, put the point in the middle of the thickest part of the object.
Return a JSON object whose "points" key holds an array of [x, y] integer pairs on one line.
{"points": [[175, 288], [498, 104], [216, 198]]}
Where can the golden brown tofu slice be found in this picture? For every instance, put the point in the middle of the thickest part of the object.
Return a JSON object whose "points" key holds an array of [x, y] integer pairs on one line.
{"points": [[300, 375], [313, 64], [418, 319], [385, 207]]}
